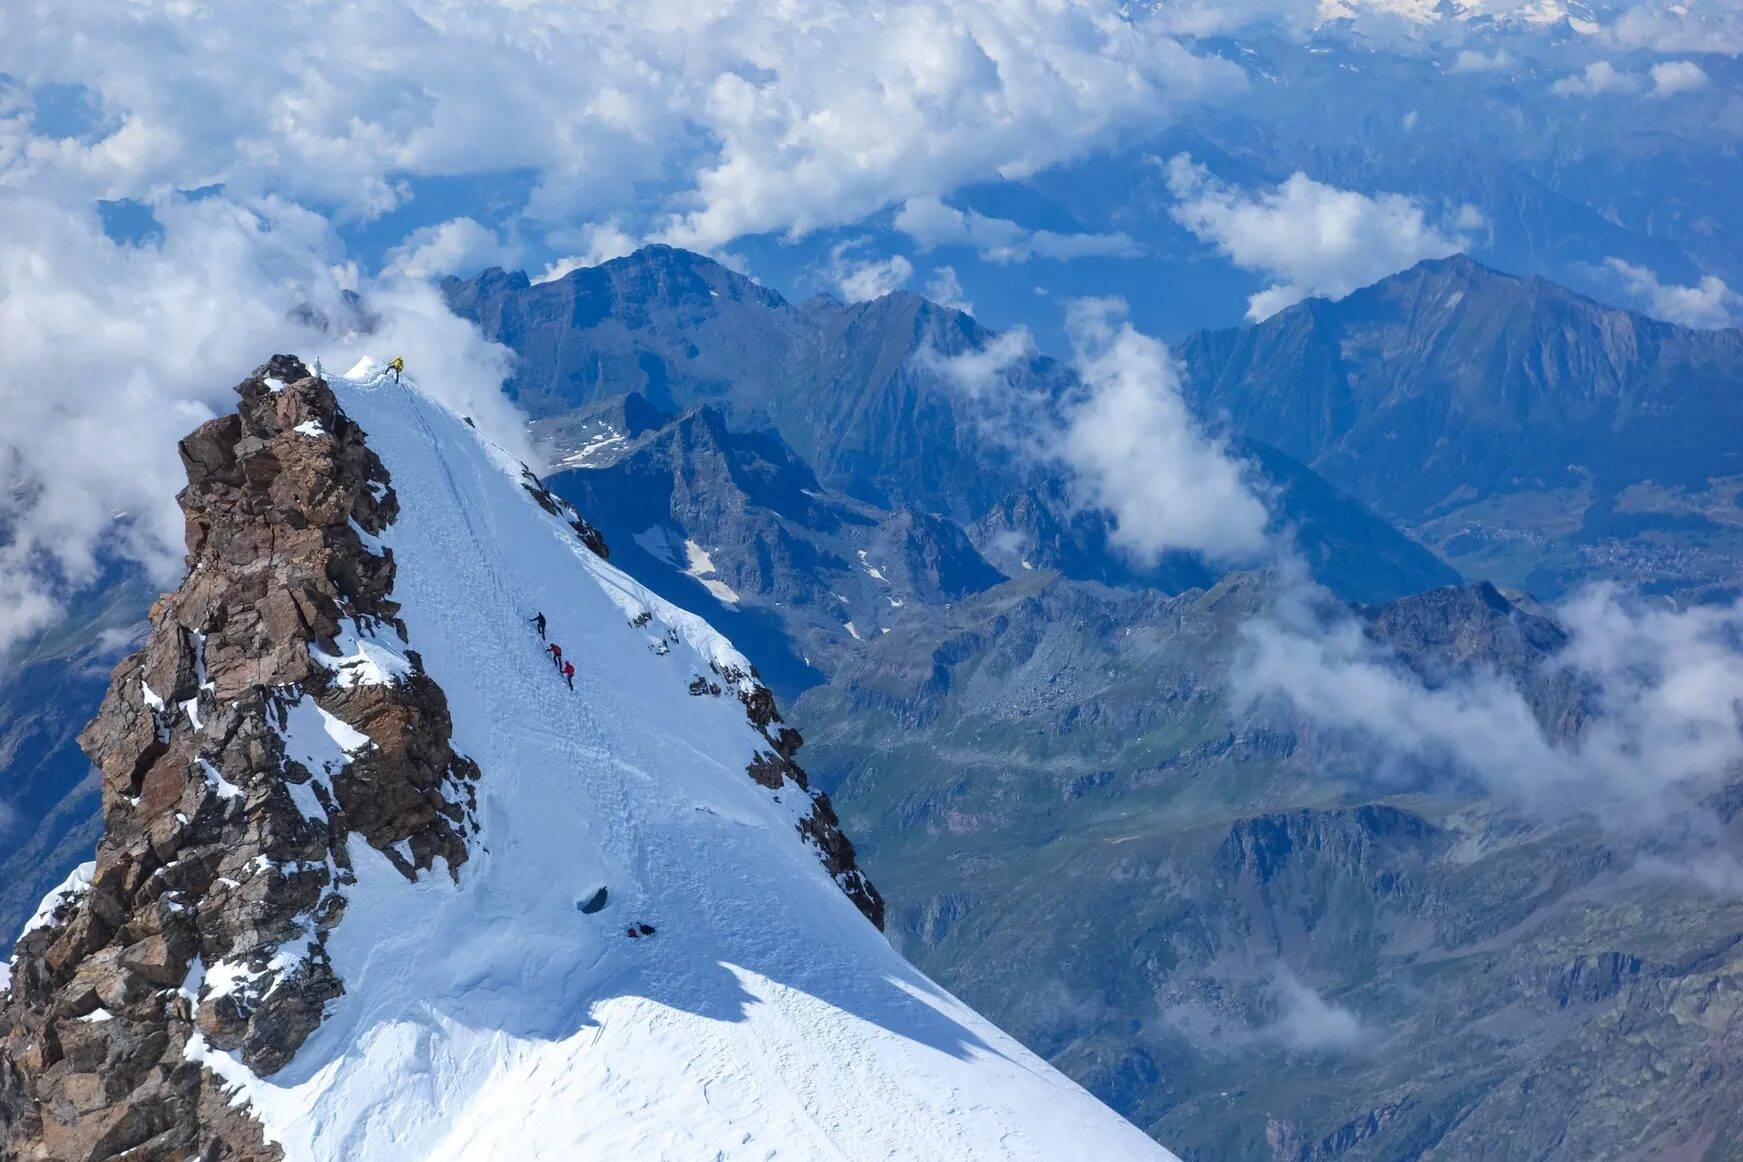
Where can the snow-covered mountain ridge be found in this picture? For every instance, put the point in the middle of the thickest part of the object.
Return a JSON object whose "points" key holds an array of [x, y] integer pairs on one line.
{"points": [[371, 868]]}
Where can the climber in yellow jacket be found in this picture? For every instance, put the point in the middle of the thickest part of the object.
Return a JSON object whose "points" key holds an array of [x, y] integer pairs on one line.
{"points": [[397, 366]]}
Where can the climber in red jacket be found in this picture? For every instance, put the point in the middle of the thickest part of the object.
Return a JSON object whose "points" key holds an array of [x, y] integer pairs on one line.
{"points": [[569, 673], [556, 652]]}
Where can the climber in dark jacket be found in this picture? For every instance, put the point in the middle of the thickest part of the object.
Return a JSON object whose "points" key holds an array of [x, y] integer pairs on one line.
{"points": [[569, 673], [539, 624]]}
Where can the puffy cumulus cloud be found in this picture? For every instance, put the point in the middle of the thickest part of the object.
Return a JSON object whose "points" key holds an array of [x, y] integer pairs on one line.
{"points": [[700, 122], [1469, 61], [1122, 432], [1672, 77], [1312, 238], [945, 289], [1597, 79], [1709, 303], [598, 242], [1661, 721], [1136, 451], [459, 245], [1703, 26], [860, 277], [931, 224], [114, 352]]}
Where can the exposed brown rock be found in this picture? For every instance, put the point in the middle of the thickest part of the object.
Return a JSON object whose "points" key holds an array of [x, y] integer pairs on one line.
{"points": [[220, 848], [776, 767]]}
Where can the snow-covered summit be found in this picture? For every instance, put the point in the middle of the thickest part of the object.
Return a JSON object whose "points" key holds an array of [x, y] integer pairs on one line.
{"points": [[651, 947]]}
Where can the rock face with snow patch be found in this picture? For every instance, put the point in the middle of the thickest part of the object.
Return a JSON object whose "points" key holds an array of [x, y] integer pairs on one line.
{"points": [[274, 711]]}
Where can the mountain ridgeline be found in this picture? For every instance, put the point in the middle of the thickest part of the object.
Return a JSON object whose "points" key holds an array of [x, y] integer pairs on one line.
{"points": [[1525, 432], [378, 880], [1251, 935], [1232, 926], [854, 391]]}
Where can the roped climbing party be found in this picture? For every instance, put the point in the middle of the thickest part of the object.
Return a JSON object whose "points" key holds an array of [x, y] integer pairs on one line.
{"points": [[566, 670]]}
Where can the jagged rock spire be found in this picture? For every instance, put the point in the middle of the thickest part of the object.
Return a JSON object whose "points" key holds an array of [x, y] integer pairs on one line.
{"points": [[224, 861]]}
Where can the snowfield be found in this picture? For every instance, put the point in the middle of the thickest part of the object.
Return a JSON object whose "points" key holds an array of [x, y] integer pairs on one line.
{"points": [[492, 1019]]}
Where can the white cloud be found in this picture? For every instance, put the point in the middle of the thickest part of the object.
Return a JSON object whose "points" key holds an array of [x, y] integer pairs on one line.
{"points": [[1598, 78], [861, 279], [696, 123], [945, 289], [1697, 27], [1662, 724], [1469, 61], [1671, 77], [1136, 451], [1709, 303], [457, 246], [1659, 725], [992, 376], [1313, 239], [1123, 434], [1262, 1006], [1305, 1022], [599, 242], [701, 122], [931, 224], [114, 352]]}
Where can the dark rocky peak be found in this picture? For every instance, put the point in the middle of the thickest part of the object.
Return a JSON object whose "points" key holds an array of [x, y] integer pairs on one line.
{"points": [[1459, 631], [600, 432], [240, 748], [697, 450], [1437, 288], [668, 273], [485, 286], [1450, 382], [821, 301], [1377, 842], [931, 556], [633, 288], [854, 391], [1466, 624]]}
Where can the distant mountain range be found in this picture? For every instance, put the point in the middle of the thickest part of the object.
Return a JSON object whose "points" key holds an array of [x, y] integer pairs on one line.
{"points": [[1212, 914], [841, 385], [1080, 831], [1076, 824], [1526, 433]]}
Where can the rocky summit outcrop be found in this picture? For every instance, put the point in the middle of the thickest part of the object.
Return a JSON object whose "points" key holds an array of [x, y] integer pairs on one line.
{"points": [[275, 716]]}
